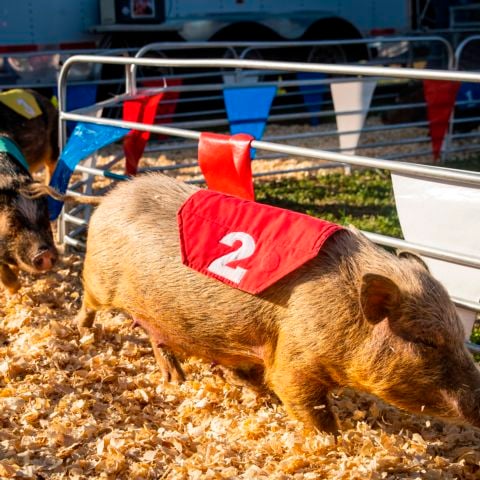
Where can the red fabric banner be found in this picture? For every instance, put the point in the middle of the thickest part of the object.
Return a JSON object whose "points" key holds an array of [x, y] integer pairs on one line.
{"points": [[226, 164], [144, 109], [440, 97], [246, 244]]}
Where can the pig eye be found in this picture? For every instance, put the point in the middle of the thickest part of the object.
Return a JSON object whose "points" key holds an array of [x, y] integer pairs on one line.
{"points": [[427, 343]]}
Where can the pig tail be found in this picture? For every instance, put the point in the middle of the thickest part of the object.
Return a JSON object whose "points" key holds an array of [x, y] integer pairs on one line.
{"points": [[36, 190]]}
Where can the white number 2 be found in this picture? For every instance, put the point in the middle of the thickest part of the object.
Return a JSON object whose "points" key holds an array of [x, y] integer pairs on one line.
{"points": [[246, 249]]}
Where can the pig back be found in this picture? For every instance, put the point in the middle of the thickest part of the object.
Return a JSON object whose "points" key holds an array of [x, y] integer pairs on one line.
{"points": [[37, 137], [134, 263]]}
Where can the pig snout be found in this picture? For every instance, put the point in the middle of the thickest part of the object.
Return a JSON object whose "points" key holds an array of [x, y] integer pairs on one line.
{"points": [[45, 259], [464, 400]]}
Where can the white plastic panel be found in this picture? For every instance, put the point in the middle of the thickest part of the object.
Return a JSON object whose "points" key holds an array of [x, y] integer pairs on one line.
{"points": [[446, 216]]}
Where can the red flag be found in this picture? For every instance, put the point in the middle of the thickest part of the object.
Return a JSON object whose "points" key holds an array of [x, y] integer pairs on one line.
{"points": [[245, 244], [440, 96], [226, 164], [167, 107], [144, 109]]}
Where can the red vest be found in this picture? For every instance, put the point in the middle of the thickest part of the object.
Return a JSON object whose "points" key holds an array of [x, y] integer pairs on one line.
{"points": [[246, 244]]}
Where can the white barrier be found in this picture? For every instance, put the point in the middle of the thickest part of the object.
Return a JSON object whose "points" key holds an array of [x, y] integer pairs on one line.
{"points": [[444, 214]]}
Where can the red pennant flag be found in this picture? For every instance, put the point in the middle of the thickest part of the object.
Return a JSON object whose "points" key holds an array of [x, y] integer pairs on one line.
{"points": [[166, 109], [144, 109], [226, 163], [440, 96]]}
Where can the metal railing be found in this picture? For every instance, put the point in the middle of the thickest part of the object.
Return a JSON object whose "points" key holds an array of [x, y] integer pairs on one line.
{"points": [[424, 171]]}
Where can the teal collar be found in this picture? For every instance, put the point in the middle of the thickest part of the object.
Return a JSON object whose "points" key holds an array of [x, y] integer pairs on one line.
{"points": [[9, 146]]}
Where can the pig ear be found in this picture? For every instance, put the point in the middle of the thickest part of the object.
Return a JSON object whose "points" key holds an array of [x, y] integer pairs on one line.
{"points": [[379, 297], [412, 256]]}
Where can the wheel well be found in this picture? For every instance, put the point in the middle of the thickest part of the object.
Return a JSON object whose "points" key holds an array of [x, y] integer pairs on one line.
{"points": [[337, 29], [329, 29], [245, 31]]}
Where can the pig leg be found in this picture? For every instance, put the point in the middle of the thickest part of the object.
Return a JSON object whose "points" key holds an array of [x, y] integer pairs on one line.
{"points": [[9, 278], [251, 378], [50, 165], [87, 312], [167, 362], [304, 397]]}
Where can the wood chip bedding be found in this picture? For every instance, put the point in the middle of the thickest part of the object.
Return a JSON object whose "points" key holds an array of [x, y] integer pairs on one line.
{"points": [[94, 406]]}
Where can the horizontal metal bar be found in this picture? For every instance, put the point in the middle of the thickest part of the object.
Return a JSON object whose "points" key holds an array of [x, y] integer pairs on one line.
{"points": [[431, 252], [473, 347], [394, 72], [74, 243], [76, 220], [101, 173], [425, 171], [467, 304], [286, 43]]}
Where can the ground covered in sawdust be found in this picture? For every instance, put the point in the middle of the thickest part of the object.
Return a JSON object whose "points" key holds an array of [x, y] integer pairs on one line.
{"points": [[94, 406]]}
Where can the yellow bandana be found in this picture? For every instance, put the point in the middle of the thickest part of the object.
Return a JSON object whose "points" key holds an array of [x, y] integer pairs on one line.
{"points": [[21, 102]]}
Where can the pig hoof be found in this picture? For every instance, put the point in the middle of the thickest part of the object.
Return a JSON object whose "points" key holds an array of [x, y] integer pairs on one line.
{"points": [[83, 326], [251, 378], [169, 365], [13, 289], [172, 375], [84, 320], [83, 331]]}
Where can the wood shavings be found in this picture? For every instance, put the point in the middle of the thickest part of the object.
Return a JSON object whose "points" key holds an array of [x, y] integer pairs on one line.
{"points": [[93, 406]]}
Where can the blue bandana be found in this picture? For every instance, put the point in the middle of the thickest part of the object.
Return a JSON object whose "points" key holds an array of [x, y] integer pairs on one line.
{"points": [[9, 146]]}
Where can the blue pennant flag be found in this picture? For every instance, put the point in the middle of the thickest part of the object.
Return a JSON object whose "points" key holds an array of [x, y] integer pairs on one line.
{"points": [[85, 139], [248, 108], [312, 94], [78, 96]]}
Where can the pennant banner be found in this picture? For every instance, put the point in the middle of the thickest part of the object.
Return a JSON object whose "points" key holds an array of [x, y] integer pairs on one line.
{"points": [[145, 110], [351, 96], [85, 140], [226, 164], [248, 108], [440, 97], [78, 96], [312, 94], [142, 110], [469, 93]]}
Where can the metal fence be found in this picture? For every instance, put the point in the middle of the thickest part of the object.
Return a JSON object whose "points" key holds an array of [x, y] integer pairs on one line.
{"points": [[201, 96], [201, 104], [461, 179]]}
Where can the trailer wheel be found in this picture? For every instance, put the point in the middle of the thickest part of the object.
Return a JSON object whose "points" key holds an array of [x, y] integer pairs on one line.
{"points": [[334, 29], [229, 76], [327, 54]]}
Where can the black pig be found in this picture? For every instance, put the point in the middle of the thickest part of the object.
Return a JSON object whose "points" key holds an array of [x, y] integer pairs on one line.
{"points": [[26, 238]]}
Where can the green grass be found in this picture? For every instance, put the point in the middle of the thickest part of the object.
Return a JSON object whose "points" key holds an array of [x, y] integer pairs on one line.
{"points": [[472, 164], [363, 199]]}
